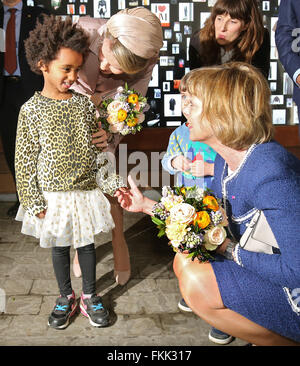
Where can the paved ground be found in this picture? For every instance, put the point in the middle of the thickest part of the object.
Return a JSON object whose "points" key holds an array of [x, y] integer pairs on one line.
{"points": [[144, 312]]}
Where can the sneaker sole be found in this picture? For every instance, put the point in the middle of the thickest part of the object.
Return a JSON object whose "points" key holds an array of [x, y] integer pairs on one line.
{"points": [[183, 308], [220, 341], [84, 313], [63, 326]]}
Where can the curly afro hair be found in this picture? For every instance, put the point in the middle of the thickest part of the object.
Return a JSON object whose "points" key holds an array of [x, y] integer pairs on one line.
{"points": [[49, 36]]}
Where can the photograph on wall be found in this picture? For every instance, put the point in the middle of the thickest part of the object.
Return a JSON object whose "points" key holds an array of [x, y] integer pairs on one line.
{"points": [[277, 99], [203, 17], [288, 84], [186, 12], [102, 9], [162, 11], [154, 77], [121, 4], [71, 9], [172, 105], [279, 116]]}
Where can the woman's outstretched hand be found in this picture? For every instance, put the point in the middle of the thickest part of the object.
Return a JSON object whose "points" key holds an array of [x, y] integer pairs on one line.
{"points": [[133, 200]]}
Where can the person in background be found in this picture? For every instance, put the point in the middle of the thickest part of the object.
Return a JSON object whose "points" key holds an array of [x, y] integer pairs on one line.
{"points": [[288, 43], [233, 32], [191, 162], [17, 82], [123, 49]]}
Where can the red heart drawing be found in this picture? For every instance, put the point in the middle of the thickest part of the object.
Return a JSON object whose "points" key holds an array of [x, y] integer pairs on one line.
{"points": [[161, 8]]}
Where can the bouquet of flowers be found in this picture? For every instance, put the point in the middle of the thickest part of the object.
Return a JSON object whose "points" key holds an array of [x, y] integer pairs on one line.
{"points": [[124, 112], [192, 219]]}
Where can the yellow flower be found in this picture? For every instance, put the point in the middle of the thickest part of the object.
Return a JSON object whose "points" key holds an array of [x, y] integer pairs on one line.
{"points": [[171, 201], [211, 203], [133, 98], [122, 115], [202, 219], [132, 122]]}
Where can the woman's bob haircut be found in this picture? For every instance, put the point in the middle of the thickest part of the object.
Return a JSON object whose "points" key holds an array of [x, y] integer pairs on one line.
{"points": [[235, 103]]}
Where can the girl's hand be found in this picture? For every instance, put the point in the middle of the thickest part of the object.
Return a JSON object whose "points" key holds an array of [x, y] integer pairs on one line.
{"points": [[42, 214], [100, 138], [181, 163], [199, 168]]}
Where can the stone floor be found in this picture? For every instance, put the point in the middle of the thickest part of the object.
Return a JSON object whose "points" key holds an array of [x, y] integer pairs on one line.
{"points": [[144, 312]]}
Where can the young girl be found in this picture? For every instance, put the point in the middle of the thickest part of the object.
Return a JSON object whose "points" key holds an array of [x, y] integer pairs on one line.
{"points": [[61, 203]]}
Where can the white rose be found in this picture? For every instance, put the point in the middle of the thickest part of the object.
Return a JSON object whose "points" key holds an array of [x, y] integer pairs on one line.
{"points": [[183, 213], [116, 127], [214, 237], [114, 106]]}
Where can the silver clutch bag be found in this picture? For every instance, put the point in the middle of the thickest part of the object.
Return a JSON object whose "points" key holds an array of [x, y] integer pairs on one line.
{"points": [[258, 236]]}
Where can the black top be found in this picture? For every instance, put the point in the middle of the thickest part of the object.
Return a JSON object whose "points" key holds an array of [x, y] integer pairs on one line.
{"points": [[261, 58]]}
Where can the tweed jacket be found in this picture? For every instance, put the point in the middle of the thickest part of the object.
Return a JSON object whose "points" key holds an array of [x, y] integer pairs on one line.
{"points": [[267, 179]]}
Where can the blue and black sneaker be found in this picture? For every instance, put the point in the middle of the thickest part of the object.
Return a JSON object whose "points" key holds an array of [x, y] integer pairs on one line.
{"points": [[63, 310], [93, 309], [217, 336]]}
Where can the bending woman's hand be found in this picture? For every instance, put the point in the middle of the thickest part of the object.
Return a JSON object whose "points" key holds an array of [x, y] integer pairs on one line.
{"points": [[133, 200], [100, 139]]}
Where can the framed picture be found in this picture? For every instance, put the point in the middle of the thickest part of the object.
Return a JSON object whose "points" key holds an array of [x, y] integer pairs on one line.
{"points": [[186, 12], [102, 9], [162, 11], [172, 105]]}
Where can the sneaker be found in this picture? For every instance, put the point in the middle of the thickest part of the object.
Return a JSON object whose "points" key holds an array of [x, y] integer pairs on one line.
{"points": [[63, 310], [216, 336], [93, 309], [184, 306]]}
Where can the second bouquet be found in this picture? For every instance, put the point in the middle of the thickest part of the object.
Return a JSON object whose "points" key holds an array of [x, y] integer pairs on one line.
{"points": [[192, 219]]}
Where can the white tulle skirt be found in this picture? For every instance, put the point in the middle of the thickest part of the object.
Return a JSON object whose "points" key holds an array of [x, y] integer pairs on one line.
{"points": [[72, 218]]}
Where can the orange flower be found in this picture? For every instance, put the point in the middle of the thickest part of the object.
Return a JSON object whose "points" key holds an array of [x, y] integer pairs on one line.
{"points": [[133, 98], [132, 122], [211, 203], [122, 115], [202, 219]]}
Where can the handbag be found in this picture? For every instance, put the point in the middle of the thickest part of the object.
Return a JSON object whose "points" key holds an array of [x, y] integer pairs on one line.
{"points": [[258, 237]]}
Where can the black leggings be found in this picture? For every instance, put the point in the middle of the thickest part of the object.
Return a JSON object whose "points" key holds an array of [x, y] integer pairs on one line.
{"points": [[87, 261]]}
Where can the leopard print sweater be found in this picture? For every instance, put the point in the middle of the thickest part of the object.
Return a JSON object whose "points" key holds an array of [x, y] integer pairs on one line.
{"points": [[54, 150]]}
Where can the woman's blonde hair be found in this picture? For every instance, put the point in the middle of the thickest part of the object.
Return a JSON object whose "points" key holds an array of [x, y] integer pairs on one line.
{"points": [[128, 61], [235, 103], [249, 40]]}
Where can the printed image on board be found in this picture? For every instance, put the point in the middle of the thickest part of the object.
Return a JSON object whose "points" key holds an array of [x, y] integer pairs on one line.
{"points": [[162, 11], [172, 105], [102, 9]]}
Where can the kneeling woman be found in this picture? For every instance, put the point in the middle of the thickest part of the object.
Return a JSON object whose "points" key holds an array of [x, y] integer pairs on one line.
{"points": [[252, 296]]}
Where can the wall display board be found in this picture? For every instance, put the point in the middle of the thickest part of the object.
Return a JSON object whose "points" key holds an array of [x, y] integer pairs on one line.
{"points": [[179, 19]]}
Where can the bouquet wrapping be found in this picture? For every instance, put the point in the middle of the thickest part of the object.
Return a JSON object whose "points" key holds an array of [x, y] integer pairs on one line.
{"points": [[192, 219], [124, 112]]}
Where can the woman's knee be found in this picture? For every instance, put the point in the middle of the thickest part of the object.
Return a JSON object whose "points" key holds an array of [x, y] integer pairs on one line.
{"points": [[199, 287]]}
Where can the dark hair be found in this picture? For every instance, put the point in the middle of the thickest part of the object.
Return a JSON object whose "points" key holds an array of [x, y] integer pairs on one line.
{"points": [[249, 40], [48, 37]]}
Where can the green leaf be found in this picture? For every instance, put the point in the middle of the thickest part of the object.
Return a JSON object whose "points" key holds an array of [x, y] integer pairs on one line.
{"points": [[157, 221], [161, 233]]}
